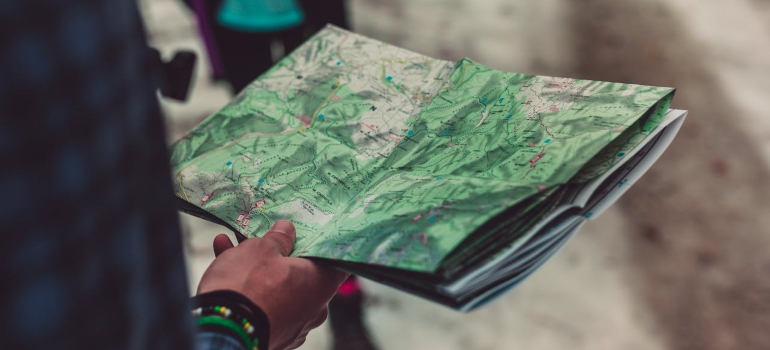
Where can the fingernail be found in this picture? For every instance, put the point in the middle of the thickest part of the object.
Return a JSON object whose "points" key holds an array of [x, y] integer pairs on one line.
{"points": [[283, 226]]}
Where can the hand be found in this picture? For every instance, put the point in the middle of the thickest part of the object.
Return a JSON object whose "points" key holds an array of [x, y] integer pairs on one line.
{"points": [[293, 292]]}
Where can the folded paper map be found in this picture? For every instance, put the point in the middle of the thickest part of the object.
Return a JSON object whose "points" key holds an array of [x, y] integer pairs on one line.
{"points": [[451, 180]]}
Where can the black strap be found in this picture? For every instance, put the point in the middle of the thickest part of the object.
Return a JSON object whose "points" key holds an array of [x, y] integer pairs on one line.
{"points": [[174, 76]]}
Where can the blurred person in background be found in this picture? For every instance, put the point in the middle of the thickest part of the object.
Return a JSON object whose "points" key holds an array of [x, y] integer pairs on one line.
{"points": [[244, 38], [91, 246]]}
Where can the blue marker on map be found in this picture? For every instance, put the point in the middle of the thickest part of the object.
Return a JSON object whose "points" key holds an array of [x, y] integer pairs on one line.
{"points": [[484, 100], [229, 163], [410, 132], [432, 219], [547, 140], [389, 78], [261, 180], [446, 133], [321, 116], [621, 154]]}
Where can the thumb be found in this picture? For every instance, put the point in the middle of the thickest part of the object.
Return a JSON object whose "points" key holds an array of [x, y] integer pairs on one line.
{"points": [[282, 235], [221, 243]]}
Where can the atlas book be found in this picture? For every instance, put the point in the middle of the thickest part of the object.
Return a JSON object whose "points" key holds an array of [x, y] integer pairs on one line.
{"points": [[449, 180]]}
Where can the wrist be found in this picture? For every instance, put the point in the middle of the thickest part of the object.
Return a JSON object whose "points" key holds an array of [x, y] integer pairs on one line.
{"points": [[231, 313]]}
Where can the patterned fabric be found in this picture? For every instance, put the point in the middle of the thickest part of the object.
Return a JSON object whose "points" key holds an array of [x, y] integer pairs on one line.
{"points": [[91, 248]]}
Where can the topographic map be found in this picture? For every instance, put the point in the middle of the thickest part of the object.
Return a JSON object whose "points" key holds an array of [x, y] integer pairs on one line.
{"points": [[384, 156]]}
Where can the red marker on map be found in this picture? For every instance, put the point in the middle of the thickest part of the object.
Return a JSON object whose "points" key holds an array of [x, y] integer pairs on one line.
{"points": [[304, 119], [537, 157], [206, 197], [259, 203], [246, 222], [418, 217], [371, 127], [240, 218]]}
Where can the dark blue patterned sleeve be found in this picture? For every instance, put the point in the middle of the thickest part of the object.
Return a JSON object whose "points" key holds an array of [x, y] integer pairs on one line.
{"points": [[91, 248]]}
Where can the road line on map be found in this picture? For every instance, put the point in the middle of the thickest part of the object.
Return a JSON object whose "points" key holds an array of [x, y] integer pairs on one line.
{"points": [[183, 190], [326, 101]]}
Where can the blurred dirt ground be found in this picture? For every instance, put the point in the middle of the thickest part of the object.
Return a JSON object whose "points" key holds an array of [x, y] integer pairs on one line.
{"points": [[681, 263]]}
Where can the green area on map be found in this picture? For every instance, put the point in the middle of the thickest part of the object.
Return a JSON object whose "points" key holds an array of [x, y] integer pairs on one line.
{"points": [[383, 156]]}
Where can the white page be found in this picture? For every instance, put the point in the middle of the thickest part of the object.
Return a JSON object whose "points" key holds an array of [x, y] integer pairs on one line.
{"points": [[454, 286], [535, 251], [588, 190], [666, 137], [502, 289]]}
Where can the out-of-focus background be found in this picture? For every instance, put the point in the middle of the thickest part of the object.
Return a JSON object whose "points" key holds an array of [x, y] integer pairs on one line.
{"points": [[682, 262]]}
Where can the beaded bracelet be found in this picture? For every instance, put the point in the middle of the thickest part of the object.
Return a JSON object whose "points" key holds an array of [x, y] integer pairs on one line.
{"points": [[235, 313], [224, 316], [231, 325]]}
